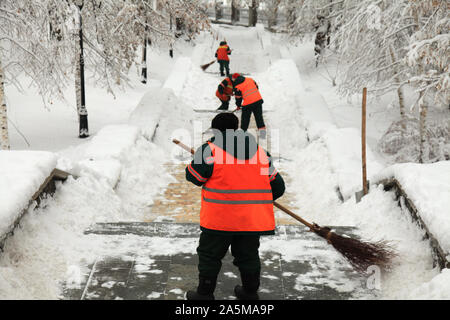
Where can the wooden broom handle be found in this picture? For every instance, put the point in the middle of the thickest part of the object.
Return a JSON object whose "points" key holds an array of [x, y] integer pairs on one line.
{"points": [[276, 204]]}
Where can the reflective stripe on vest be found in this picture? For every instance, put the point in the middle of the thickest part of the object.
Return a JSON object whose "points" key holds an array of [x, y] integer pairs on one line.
{"points": [[238, 197], [250, 92]]}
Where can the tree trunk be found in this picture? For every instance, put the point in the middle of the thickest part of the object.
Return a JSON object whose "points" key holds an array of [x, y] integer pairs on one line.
{"points": [[253, 14], [273, 14], [218, 11], [234, 12], [291, 13], [401, 100], [423, 156], [170, 28], [4, 136], [80, 84]]}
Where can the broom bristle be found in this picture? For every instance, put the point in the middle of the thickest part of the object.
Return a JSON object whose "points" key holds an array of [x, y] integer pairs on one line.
{"points": [[360, 254], [206, 66]]}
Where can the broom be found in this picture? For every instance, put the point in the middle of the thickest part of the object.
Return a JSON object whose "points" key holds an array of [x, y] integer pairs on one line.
{"points": [[206, 66], [360, 254]]}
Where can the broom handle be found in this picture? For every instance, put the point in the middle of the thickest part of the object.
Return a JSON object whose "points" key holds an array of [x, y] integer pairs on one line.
{"points": [[276, 204], [293, 215]]}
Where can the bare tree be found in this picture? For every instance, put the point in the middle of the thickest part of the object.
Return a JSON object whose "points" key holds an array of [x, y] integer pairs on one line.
{"points": [[52, 42], [253, 13], [4, 135]]}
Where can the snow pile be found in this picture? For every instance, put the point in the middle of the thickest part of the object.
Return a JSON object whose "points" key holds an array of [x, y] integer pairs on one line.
{"points": [[101, 156], [177, 78], [344, 146], [150, 109], [280, 88], [21, 175], [161, 115], [436, 289], [299, 112], [317, 118], [428, 186], [265, 38], [118, 156]]}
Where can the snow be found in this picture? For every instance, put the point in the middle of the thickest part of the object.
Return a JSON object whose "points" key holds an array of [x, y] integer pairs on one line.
{"points": [[22, 173], [121, 169], [436, 289], [162, 115], [101, 155], [428, 186], [344, 146], [331, 159], [178, 75]]}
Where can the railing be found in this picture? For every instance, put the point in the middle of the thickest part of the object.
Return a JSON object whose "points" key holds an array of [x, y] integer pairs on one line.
{"points": [[48, 187], [439, 255]]}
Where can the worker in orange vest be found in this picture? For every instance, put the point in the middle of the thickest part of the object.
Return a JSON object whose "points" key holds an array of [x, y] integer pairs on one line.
{"points": [[224, 93], [249, 98], [222, 54], [239, 184]]}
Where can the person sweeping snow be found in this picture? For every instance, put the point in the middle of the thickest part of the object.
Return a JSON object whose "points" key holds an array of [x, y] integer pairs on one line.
{"points": [[249, 98], [224, 93], [239, 184], [222, 54]]}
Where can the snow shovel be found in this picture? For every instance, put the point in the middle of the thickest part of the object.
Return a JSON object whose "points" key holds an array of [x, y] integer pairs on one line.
{"points": [[206, 66], [360, 254], [360, 194]]}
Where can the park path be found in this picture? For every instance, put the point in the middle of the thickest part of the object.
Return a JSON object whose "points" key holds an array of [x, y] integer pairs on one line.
{"points": [[155, 258]]}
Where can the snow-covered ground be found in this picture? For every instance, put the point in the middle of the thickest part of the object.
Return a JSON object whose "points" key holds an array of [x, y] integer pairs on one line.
{"points": [[120, 167]]}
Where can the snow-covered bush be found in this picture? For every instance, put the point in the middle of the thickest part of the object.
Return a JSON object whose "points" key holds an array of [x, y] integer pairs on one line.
{"points": [[389, 46], [428, 52], [401, 142]]}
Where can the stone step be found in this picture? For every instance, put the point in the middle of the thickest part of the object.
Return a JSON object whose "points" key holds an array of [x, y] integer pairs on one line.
{"points": [[320, 273]]}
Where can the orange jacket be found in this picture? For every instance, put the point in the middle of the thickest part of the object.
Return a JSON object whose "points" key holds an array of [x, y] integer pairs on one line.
{"points": [[223, 52], [248, 92], [238, 196], [227, 90]]}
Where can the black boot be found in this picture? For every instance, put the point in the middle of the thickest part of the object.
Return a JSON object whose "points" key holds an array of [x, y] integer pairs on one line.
{"points": [[224, 106], [249, 288], [205, 289]]}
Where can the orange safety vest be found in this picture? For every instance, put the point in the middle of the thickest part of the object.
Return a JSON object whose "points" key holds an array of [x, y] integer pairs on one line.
{"points": [[250, 92], [227, 91], [238, 196], [222, 53]]}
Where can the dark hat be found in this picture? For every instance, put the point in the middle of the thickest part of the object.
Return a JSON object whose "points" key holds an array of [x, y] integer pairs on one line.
{"points": [[224, 121]]}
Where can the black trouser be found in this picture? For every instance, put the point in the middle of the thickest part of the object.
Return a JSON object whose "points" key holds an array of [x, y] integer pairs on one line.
{"points": [[225, 105], [224, 65], [212, 248], [256, 109]]}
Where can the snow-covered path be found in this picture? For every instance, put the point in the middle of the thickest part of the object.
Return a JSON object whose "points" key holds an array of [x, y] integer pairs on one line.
{"points": [[144, 189]]}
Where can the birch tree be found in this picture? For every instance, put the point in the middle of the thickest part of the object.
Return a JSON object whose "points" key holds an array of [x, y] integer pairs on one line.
{"points": [[41, 40], [4, 135], [428, 58]]}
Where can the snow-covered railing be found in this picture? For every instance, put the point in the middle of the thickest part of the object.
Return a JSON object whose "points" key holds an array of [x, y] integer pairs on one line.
{"points": [[48, 187], [440, 257]]}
